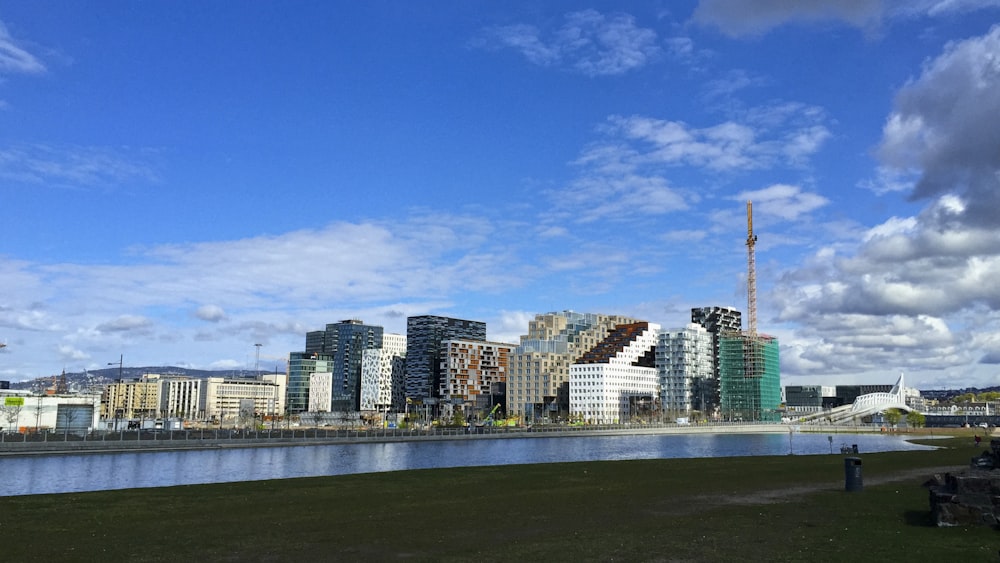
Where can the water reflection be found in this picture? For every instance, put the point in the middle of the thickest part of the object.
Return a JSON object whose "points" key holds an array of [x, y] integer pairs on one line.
{"points": [[94, 472]]}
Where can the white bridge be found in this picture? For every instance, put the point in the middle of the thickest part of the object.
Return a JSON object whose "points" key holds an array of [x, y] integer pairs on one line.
{"points": [[865, 405]]}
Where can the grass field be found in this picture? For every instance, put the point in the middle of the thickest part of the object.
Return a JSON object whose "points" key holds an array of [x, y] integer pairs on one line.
{"points": [[781, 508]]}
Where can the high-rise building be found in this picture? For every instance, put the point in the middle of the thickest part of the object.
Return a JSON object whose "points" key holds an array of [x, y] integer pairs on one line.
{"points": [[473, 373], [383, 375], [750, 378], [424, 335], [617, 380], [717, 321], [346, 341], [301, 365], [538, 379], [684, 360]]}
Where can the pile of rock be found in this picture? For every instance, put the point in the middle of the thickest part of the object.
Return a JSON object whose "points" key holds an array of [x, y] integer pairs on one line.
{"points": [[971, 498]]}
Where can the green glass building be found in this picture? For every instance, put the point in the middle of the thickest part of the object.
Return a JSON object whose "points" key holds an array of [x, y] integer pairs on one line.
{"points": [[749, 378]]}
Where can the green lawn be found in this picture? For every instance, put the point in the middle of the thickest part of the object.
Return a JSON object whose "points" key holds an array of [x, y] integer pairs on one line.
{"points": [[782, 508]]}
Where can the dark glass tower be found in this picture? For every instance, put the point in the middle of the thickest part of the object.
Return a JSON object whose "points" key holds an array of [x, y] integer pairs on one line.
{"points": [[424, 335]]}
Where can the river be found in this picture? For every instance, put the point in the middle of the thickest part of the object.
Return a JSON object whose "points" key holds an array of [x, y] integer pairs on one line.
{"points": [[27, 475]]}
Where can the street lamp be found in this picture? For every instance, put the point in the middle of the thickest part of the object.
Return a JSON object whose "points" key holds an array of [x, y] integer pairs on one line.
{"points": [[121, 363]]}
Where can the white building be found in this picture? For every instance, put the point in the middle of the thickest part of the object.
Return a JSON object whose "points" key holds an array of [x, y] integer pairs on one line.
{"points": [[320, 391], [383, 377], [228, 399], [684, 356], [22, 412], [617, 379]]}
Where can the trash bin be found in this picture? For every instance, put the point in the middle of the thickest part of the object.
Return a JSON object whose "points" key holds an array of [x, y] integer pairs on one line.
{"points": [[852, 474]]}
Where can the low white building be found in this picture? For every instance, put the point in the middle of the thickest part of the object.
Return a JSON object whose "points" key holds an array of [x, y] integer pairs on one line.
{"points": [[22, 412], [614, 380]]}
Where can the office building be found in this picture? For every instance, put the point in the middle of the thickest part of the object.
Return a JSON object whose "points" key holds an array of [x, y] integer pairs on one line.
{"points": [[750, 378], [424, 335], [383, 375], [301, 366]]}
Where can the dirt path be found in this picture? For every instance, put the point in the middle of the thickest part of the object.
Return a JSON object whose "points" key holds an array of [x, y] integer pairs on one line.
{"points": [[772, 496]]}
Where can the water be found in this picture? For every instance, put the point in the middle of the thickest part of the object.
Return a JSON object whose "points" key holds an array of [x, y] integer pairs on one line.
{"points": [[96, 472]]}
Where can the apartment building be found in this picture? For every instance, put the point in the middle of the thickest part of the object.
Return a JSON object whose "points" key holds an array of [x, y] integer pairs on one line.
{"points": [[538, 379], [617, 381]]}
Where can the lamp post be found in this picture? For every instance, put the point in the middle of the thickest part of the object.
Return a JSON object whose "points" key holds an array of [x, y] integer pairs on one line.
{"points": [[121, 363]]}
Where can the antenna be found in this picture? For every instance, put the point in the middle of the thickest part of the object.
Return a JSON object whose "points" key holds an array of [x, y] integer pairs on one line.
{"points": [[751, 274]]}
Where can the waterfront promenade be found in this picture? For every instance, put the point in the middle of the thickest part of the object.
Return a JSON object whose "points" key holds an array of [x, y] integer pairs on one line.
{"points": [[149, 440]]}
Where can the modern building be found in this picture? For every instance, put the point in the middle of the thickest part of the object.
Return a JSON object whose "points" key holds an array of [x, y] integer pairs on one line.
{"points": [[301, 365], [538, 379], [473, 372], [750, 378], [685, 362], [320, 391], [809, 398], [718, 321], [383, 375], [424, 335], [346, 342], [617, 380]]}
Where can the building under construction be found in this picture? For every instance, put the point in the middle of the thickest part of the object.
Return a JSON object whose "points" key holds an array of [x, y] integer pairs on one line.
{"points": [[749, 377], [749, 372]]}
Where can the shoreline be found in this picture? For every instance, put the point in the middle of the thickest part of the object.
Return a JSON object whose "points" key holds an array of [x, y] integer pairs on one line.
{"points": [[256, 440]]}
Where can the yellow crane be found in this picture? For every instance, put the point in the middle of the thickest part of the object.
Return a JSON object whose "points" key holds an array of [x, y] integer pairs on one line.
{"points": [[751, 274]]}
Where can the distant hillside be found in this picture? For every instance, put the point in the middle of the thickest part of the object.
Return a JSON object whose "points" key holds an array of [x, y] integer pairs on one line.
{"points": [[82, 381]]}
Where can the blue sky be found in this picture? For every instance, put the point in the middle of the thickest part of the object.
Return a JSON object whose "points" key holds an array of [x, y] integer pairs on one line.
{"points": [[182, 180]]}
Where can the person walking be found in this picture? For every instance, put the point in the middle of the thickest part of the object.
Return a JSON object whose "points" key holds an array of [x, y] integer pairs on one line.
{"points": [[978, 439]]}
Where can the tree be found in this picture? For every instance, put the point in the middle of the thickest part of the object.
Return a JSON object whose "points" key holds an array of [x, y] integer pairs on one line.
{"points": [[892, 416], [11, 412], [915, 419]]}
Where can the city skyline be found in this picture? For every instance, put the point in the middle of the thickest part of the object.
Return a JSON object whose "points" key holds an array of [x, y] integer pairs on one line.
{"points": [[183, 182]]}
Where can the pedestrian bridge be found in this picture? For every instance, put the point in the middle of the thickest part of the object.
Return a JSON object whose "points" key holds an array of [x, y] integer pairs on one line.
{"points": [[865, 405]]}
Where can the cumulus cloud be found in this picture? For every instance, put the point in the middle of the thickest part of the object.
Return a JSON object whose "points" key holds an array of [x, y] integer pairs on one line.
{"points": [[946, 126], [14, 58], [588, 42], [906, 287], [210, 313]]}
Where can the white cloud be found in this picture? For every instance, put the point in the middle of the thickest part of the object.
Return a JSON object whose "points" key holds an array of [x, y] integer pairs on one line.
{"points": [[755, 17], [74, 166], [897, 300], [14, 58], [126, 323], [783, 201], [946, 126], [737, 18], [588, 42], [210, 313]]}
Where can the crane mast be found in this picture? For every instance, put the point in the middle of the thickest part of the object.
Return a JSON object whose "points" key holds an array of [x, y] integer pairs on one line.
{"points": [[751, 274]]}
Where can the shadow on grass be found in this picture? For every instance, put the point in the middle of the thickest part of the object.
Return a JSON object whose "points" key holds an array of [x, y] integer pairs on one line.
{"points": [[918, 518]]}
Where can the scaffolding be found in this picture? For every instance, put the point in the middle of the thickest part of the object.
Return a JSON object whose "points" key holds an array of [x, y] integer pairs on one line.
{"points": [[749, 377]]}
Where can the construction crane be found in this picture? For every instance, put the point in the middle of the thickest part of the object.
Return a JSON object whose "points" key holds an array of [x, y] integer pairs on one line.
{"points": [[751, 275]]}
